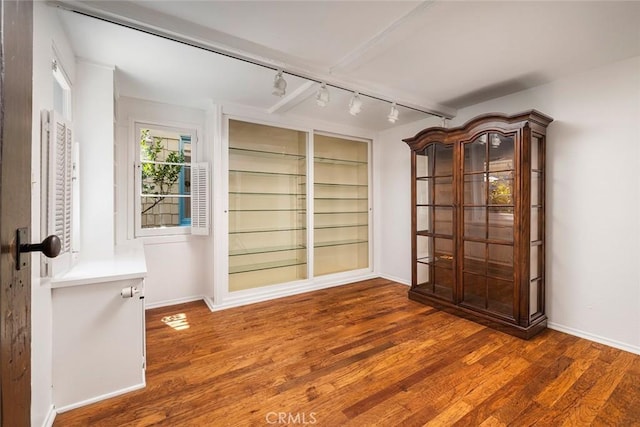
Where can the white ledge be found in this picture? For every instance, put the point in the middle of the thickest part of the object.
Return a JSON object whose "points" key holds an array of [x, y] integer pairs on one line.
{"points": [[126, 262]]}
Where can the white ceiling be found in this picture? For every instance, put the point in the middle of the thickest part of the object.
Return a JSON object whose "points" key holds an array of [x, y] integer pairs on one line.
{"points": [[437, 56]]}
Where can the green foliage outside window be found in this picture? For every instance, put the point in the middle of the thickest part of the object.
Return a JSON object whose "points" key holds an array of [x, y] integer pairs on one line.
{"points": [[158, 178]]}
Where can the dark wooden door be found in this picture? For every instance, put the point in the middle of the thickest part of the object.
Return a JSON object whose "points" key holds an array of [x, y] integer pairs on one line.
{"points": [[16, 26]]}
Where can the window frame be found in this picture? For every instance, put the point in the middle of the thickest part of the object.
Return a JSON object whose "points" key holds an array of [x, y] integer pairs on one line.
{"points": [[182, 129]]}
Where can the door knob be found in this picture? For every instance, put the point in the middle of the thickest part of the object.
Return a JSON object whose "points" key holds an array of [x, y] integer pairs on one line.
{"points": [[50, 247]]}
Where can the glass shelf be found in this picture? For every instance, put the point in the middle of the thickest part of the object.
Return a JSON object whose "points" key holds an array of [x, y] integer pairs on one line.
{"points": [[342, 212], [339, 161], [428, 233], [340, 198], [261, 153], [265, 266], [265, 173], [253, 251], [246, 193], [267, 210], [427, 177], [445, 261], [322, 227], [339, 243], [266, 230], [330, 184]]}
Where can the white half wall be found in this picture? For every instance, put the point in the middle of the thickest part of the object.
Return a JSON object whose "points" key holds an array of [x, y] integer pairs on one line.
{"points": [[47, 33], [593, 200]]}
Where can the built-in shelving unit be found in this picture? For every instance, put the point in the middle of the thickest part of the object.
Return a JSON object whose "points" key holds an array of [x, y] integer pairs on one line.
{"points": [[267, 205], [341, 204]]}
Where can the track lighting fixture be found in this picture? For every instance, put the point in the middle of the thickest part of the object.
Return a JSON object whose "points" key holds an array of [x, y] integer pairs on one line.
{"points": [[322, 96], [393, 114], [355, 105], [279, 85]]}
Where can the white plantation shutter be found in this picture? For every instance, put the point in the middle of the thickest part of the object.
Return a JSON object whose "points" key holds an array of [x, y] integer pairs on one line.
{"points": [[200, 198], [60, 180]]}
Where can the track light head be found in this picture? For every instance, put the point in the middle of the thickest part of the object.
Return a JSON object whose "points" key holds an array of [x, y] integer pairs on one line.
{"points": [[322, 96], [355, 105], [393, 114], [495, 141], [279, 85]]}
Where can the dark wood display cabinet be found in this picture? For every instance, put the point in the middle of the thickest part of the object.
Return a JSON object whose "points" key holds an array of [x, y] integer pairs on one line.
{"points": [[478, 220]]}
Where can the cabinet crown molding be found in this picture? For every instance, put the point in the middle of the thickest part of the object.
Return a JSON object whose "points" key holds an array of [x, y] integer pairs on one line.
{"points": [[497, 122]]}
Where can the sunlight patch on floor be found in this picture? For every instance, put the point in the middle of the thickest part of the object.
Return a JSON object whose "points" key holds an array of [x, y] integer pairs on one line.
{"points": [[178, 321]]}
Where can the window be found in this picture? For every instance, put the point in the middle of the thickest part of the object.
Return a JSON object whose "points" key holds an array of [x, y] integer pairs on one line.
{"points": [[61, 91], [164, 178]]}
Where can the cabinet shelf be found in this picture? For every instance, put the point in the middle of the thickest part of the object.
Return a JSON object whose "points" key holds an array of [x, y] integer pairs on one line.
{"points": [[340, 198], [342, 212], [267, 230], [253, 251], [427, 233], [249, 193], [426, 177], [265, 173], [437, 261], [334, 184], [265, 266], [262, 153], [323, 227], [329, 160], [339, 243], [267, 210]]}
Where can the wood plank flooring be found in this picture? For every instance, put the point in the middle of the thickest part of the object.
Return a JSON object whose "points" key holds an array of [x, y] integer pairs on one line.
{"points": [[364, 355]]}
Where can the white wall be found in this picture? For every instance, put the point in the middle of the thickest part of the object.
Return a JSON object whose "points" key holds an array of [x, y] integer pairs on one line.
{"points": [[93, 122], [178, 266], [593, 200], [392, 219], [46, 33]]}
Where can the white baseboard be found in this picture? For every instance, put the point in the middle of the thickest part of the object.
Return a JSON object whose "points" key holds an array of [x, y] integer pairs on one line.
{"points": [[209, 302], [166, 303], [596, 338], [395, 279], [266, 295], [99, 398], [50, 418]]}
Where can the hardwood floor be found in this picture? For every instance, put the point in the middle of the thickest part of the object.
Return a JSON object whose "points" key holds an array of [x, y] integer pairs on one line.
{"points": [[364, 355]]}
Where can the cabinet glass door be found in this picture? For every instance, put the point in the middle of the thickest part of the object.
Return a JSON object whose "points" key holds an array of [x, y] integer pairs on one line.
{"points": [[536, 260], [267, 205], [488, 225], [435, 229], [341, 205]]}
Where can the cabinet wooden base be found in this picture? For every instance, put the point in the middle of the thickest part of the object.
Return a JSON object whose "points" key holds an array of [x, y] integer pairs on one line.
{"points": [[526, 333]]}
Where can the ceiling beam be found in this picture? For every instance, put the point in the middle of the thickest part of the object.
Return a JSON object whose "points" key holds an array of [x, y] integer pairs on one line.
{"points": [[364, 51], [302, 93]]}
